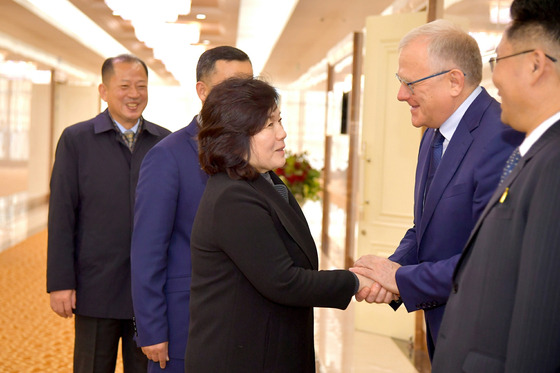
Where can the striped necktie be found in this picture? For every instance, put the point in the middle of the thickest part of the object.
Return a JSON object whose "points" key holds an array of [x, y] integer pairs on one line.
{"points": [[129, 136]]}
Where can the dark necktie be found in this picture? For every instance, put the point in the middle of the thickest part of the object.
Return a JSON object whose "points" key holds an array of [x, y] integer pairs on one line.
{"points": [[282, 189], [437, 151], [510, 164]]}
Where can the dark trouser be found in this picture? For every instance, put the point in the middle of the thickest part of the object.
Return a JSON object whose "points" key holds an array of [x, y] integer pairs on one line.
{"points": [[96, 346]]}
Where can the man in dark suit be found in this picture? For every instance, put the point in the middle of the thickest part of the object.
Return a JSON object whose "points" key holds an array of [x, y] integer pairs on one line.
{"points": [[169, 191], [504, 311], [440, 69], [90, 219]]}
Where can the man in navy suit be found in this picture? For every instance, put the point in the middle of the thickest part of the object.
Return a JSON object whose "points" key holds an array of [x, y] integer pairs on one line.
{"points": [[440, 69], [169, 190], [503, 314]]}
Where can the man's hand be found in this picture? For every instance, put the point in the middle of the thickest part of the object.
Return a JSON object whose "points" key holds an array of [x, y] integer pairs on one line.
{"points": [[380, 269], [375, 294], [157, 352], [365, 284], [63, 302]]}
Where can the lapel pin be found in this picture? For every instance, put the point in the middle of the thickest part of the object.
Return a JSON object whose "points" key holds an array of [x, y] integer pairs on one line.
{"points": [[504, 195]]}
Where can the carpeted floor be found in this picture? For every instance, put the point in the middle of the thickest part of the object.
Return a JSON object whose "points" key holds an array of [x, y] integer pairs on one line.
{"points": [[32, 337]]}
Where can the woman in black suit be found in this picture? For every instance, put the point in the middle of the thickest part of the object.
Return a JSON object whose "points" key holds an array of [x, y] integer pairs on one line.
{"points": [[255, 267]]}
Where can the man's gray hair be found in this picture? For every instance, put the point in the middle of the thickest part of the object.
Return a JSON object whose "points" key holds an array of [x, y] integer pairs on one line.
{"points": [[449, 46]]}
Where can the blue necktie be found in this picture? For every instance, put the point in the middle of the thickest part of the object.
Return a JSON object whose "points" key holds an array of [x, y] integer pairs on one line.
{"points": [[437, 151], [510, 164]]}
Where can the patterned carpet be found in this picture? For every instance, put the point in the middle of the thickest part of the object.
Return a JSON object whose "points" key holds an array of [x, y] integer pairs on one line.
{"points": [[32, 337]]}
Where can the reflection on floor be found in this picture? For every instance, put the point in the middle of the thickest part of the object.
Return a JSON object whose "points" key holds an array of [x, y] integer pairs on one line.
{"points": [[19, 219], [340, 348]]}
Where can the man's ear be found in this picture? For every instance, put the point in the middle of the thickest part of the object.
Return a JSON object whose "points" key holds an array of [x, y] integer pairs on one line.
{"points": [[202, 90], [538, 64], [538, 58], [456, 81], [102, 91]]}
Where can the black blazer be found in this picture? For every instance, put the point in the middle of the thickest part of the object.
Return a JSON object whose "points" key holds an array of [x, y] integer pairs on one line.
{"points": [[504, 311], [91, 205], [255, 281]]}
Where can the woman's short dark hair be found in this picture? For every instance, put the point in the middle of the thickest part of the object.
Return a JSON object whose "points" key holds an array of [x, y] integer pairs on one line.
{"points": [[233, 112]]}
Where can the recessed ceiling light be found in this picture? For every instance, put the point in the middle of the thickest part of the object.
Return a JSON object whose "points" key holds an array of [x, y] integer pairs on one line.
{"points": [[201, 16]]}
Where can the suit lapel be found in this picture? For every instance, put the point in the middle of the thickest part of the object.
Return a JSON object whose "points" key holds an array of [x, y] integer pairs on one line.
{"points": [[422, 174], [455, 153], [456, 150], [290, 215]]}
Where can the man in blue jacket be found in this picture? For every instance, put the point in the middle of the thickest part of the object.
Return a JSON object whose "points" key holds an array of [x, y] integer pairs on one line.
{"points": [[169, 190], [440, 69]]}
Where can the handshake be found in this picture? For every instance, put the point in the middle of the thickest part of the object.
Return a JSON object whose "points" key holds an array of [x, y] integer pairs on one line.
{"points": [[378, 282]]}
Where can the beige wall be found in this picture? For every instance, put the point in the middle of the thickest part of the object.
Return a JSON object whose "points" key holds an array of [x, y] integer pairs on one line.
{"points": [[38, 166], [172, 107], [73, 104]]}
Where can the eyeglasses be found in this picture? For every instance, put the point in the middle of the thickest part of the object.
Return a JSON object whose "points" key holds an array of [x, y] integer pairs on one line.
{"points": [[494, 60], [410, 84]]}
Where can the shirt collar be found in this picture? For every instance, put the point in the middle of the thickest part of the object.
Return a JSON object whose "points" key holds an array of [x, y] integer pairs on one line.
{"points": [[267, 177], [133, 129], [448, 127], [537, 133]]}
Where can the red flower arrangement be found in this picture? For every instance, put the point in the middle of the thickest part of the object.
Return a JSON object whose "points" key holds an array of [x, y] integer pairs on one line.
{"points": [[300, 177]]}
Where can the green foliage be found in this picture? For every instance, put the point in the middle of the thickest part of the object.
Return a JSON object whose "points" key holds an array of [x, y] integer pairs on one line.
{"points": [[300, 177]]}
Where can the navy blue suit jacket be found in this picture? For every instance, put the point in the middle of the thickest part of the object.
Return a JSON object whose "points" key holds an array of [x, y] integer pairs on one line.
{"points": [[464, 182], [169, 189]]}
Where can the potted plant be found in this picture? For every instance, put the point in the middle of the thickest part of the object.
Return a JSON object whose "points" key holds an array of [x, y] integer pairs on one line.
{"points": [[300, 177]]}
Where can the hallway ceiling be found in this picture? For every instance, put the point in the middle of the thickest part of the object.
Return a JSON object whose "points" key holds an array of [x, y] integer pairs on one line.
{"points": [[314, 28]]}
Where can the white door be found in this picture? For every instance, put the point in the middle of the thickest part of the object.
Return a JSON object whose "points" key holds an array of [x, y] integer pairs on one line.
{"points": [[387, 163]]}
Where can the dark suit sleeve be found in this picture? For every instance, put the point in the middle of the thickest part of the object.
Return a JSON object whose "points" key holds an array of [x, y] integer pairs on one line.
{"points": [[63, 206], [534, 337], [246, 232], [156, 202]]}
